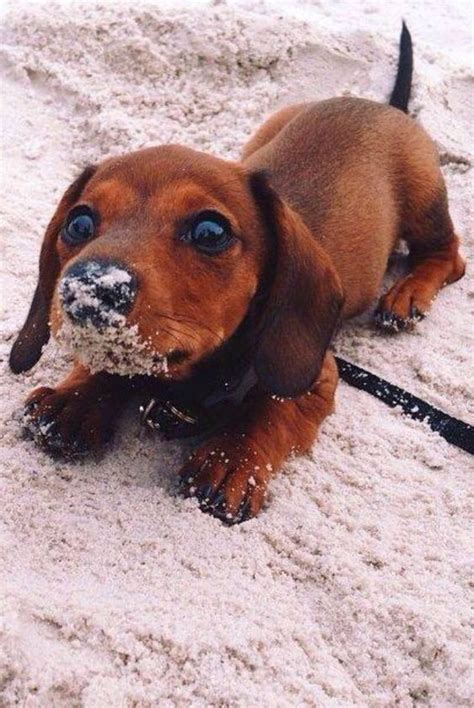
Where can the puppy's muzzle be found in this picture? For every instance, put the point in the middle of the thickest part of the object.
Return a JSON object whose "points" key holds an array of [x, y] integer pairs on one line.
{"points": [[97, 292]]}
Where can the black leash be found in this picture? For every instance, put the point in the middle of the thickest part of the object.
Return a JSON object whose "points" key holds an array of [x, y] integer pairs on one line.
{"points": [[453, 430], [183, 418]]}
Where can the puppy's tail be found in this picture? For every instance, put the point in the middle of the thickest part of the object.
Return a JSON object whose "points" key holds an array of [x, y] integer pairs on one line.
{"points": [[401, 91]]}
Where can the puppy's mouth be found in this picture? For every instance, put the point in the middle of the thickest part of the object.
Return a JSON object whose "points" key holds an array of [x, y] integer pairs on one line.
{"points": [[117, 348], [175, 357]]}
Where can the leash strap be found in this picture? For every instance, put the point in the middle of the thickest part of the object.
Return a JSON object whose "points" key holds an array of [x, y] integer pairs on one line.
{"points": [[453, 430]]}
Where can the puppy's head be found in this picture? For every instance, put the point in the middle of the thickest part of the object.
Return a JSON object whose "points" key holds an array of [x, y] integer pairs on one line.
{"points": [[153, 260]]}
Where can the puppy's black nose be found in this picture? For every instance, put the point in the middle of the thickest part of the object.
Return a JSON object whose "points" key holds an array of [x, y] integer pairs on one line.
{"points": [[96, 292]]}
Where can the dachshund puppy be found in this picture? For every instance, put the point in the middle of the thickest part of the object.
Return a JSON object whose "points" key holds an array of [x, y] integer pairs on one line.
{"points": [[189, 275]]}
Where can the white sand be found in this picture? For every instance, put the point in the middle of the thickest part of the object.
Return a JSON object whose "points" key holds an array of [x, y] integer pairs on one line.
{"points": [[352, 588]]}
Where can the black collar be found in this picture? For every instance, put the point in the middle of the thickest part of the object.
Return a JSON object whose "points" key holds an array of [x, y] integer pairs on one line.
{"points": [[208, 407]]}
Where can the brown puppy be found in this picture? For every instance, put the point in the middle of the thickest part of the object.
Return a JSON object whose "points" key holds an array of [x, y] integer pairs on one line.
{"points": [[184, 273]]}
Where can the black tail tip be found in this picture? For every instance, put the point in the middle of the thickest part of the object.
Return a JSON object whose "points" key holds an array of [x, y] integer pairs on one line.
{"points": [[405, 39], [401, 91]]}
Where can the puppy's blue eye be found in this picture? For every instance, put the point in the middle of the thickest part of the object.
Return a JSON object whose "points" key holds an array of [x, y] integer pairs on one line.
{"points": [[79, 227], [210, 233]]}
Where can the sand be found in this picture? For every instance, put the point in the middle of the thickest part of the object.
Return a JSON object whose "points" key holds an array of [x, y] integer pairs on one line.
{"points": [[353, 586]]}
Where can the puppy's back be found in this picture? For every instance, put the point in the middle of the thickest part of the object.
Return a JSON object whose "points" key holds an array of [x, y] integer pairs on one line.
{"points": [[351, 168]]}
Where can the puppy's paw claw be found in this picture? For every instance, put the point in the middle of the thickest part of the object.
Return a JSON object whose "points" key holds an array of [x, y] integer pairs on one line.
{"points": [[405, 304], [390, 322], [416, 315], [63, 424], [227, 480]]}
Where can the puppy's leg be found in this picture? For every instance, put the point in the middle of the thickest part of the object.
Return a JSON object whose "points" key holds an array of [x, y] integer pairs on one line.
{"points": [[271, 128], [78, 415], [229, 474], [434, 262]]}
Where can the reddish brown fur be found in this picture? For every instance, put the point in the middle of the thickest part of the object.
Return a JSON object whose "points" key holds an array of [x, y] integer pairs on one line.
{"points": [[348, 179]]}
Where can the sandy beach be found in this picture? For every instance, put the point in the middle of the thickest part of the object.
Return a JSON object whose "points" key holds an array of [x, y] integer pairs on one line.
{"points": [[353, 587]]}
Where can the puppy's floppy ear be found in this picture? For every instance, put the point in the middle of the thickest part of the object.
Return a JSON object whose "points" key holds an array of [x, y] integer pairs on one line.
{"points": [[35, 332], [303, 301]]}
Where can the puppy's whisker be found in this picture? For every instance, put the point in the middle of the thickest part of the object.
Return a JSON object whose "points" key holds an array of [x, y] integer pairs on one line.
{"points": [[176, 337], [188, 335], [177, 318]]}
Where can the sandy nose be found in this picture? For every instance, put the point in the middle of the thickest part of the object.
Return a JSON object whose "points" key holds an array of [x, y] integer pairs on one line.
{"points": [[97, 292]]}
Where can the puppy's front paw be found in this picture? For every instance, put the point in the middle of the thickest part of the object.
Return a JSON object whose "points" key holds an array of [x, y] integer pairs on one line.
{"points": [[228, 476], [67, 422]]}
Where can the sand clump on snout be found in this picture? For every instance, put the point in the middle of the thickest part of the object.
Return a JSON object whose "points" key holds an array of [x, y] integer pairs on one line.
{"points": [[116, 348], [93, 294], [101, 338]]}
